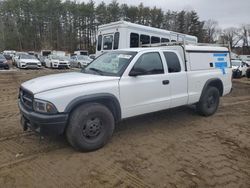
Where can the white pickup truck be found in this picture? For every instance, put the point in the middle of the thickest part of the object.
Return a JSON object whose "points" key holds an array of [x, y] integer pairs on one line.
{"points": [[124, 83]]}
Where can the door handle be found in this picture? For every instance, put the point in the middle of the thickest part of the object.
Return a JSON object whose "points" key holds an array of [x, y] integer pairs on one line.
{"points": [[165, 82]]}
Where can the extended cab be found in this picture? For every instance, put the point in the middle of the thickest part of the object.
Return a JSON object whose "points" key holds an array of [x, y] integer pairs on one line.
{"points": [[124, 83]]}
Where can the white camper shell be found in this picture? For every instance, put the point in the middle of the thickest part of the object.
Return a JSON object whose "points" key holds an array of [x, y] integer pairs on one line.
{"points": [[122, 34]]}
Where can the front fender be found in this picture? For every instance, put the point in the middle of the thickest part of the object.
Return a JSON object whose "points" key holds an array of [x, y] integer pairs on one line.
{"points": [[107, 99]]}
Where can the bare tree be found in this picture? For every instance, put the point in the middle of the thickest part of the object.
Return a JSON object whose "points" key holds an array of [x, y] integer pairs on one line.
{"points": [[211, 28], [231, 35], [245, 38]]}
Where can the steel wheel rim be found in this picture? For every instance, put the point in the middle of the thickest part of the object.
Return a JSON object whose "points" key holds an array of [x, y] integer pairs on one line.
{"points": [[92, 128]]}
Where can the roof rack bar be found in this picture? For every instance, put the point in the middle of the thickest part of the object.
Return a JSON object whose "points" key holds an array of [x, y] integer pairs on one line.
{"points": [[183, 43]]}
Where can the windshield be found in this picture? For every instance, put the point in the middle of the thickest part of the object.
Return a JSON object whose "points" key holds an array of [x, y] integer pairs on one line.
{"points": [[61, 58], [236, 63], [2, 57], [24, 56], [83, 57], [111, 63]]}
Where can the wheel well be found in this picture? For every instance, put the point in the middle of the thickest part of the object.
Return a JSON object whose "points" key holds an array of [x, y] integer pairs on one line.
{"points": [[218, 84], [112, 104]]}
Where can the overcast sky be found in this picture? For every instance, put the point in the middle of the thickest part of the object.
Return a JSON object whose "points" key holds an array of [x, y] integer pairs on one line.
{"points": [[227, 12]]}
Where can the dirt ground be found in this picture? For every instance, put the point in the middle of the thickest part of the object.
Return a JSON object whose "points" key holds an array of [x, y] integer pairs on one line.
{"points": [[173, 148]]}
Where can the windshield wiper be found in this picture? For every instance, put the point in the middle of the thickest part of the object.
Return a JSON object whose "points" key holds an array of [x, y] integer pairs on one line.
{"points": [[96, 70]]}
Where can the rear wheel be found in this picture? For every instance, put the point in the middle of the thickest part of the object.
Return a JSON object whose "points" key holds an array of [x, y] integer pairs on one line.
{"points": [[79, 65], [90, 127], [209, 102]]}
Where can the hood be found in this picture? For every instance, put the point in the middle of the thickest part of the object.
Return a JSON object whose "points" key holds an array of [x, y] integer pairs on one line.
{"points": [[30, 60], [235, 67], [61, 60], [55, 81], [84, 61], [3, 60]]}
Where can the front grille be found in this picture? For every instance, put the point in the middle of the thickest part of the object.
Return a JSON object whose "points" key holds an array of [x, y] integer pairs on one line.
{"points": [[26, 98], [62, 63], [31, 63]]}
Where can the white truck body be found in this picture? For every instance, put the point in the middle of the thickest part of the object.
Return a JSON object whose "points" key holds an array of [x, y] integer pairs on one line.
{"points": [[122, 34], [147, 95], [125, 83]]}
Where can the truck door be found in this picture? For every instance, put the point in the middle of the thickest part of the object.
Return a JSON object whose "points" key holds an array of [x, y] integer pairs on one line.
{"points": [[144, 86], [177, 78]]}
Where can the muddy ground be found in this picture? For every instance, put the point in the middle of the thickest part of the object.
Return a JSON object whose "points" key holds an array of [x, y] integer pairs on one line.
{"points": [[172, 148]]}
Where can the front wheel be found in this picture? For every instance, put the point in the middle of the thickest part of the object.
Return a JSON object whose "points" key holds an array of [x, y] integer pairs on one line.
{"points": [[209, 102], [90, 127]]}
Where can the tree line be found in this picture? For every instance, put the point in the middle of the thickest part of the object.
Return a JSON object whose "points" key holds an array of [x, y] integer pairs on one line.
{"points": [[69, 25]]}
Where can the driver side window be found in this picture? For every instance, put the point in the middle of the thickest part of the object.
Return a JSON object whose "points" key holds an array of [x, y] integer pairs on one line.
{"points": [[149, 64]]}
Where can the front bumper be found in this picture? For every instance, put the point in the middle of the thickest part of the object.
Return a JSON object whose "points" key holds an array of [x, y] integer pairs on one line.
{"points": [[31, 66], [42, 123], [60, 65]]}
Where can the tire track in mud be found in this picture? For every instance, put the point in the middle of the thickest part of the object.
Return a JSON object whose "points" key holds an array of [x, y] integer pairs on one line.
{"points": [[112, 169], [26, 146], [235, 103], [102, 171]]}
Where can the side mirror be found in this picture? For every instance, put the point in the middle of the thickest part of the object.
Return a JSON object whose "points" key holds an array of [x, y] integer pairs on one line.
{"points": [[136, 72]]}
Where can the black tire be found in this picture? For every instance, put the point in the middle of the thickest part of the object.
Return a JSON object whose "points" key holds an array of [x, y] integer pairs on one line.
{"points": [[7, 67], [90, 127], [237, 74], [79, 65], [209, 102], [248, 73]]}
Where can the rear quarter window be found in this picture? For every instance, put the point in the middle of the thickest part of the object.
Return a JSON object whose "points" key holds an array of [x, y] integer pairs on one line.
{"points": [[173, 62]]}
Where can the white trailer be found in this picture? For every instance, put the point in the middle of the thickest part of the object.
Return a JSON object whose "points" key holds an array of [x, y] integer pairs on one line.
{"points": [[122, 34], [58, 53]]}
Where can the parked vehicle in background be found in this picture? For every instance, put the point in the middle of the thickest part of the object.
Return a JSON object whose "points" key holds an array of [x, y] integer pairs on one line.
{"points": [[55, 61], [80, 61], [239, 68], [8, 54], [124, 83], [25, 61], [92, 56], [245, 58], [58, 53], [45, 53], [122, 34], [31, 53], [3, 62], [248, 73], [41, 59], [81, 52], [16, 56]]}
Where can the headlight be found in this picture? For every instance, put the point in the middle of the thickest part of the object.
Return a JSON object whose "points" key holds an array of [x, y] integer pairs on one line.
{"points": [[44, 107]]}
